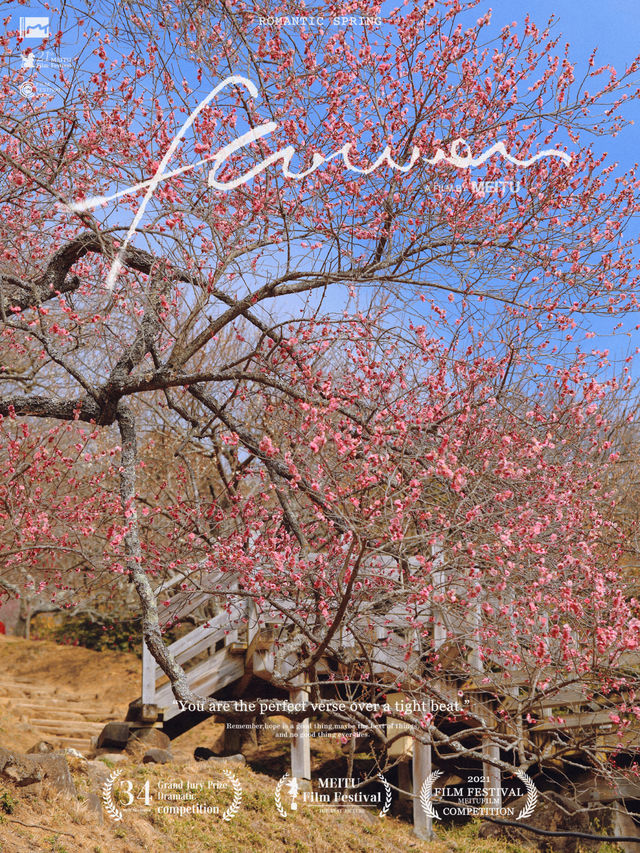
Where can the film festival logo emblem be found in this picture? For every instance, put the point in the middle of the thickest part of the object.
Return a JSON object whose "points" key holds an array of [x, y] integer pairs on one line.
{"points": [[176, 792], [34, 28], [334, 793], [467, 806]]}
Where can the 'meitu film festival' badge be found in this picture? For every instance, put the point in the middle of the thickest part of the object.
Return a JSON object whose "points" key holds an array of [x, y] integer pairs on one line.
{"points": [[332, 793]]}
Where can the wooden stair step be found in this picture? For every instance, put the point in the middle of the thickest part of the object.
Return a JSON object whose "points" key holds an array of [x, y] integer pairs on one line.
{"points": [[66, 740], [599, 719], [43, 713], [58, 737], [72, 704], [65, 724], [63, 715], [37, 692], [77, 705], [58, 726], [69, 724], [103, 719], [80, 743]]}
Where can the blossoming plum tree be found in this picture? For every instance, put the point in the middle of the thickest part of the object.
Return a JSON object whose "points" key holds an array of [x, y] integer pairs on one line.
{"points": [[374, 413]]}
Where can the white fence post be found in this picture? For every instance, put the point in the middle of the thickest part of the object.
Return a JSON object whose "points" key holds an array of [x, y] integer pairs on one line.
{"points": [[300, 745], [422, 822], [148, 676]]}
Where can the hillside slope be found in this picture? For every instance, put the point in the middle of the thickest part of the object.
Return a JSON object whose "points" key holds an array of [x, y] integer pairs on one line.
{"points": [[40, 818]]}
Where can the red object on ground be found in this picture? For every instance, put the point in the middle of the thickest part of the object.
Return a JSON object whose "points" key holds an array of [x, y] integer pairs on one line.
{"points": [[3, 630]]}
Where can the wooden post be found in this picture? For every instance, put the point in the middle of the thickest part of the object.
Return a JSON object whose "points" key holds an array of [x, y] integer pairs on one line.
{"points": [[474, 658], [490, 750], [422, 823], [405, 782], [493, 774], [300, 745], [403, 746], [253, 628], [439, 579], [148, 676]]}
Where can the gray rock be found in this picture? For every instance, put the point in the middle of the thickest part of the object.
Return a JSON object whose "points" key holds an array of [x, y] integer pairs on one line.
{"points": [[28, 769], [97, 772], [114, 734], [94, 805], [56, 771], [201, 753], [74, 753], [225, 759], [150, 738], [20, 769], [41, 746], [114, 757], [157, 756]]}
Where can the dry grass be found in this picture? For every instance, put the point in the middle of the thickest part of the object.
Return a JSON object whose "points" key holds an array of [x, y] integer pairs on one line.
{"points": [[69, 826], [41, 819]]}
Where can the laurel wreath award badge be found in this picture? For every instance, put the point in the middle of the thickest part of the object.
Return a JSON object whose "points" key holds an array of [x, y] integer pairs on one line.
{"points": [[293, 790], [107, 796], [278, 796], [387, 799], [131, 794], [532, 795], [233, 809], [426, 793]]}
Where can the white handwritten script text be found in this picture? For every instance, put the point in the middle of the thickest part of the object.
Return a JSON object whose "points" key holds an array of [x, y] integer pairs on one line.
{"points": [[459, 155]]}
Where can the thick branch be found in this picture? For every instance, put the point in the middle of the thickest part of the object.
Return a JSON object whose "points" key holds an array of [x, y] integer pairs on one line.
{"points": [[150, 622]]}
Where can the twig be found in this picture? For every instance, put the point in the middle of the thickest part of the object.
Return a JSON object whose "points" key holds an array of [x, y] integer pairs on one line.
{"points": [[39, 826], [573, 833]]}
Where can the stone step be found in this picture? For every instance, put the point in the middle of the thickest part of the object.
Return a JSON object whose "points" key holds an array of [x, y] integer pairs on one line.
{"points": [[9, 696], [30, 691], [40, 712], [18, 679], [87, 730], [80, 743], [80, 706], [67, 724]]}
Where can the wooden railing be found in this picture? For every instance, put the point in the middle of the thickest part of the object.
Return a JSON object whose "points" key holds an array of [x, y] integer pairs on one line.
{"points": [[229, 642]]}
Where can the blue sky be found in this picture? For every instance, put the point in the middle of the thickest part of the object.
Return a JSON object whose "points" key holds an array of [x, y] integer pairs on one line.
{"points": [[610, 25]]}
